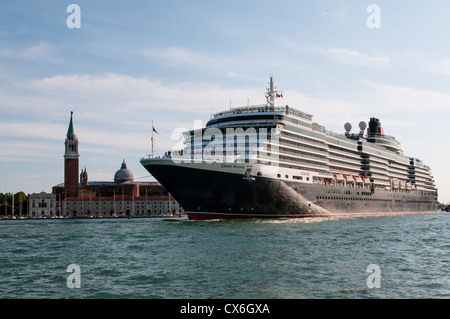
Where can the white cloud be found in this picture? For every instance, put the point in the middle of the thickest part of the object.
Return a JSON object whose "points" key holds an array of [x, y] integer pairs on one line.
{"points": [[370, 96], [115, 92], [31, 129], [36, 52], [122, 106], [177, 56], [340, 55], [438, 66], [230, 65], [40, 51], [356, 58], [396, 99], [27, 151]]}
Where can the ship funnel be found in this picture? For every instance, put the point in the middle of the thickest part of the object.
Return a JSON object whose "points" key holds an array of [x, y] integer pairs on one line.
{"points": [[375, 127]]}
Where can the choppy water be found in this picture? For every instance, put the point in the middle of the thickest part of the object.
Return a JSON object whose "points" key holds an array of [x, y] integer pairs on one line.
{"points": [[177, 258]]}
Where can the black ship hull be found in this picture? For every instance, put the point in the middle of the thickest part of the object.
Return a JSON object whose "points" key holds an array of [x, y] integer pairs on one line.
{"points": [[213, 194]]}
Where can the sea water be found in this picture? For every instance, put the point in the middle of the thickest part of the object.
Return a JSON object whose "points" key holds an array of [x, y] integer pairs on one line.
{"points": [[405, 256]]}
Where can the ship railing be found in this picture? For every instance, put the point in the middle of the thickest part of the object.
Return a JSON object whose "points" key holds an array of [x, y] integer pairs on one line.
{"points": [[341, 136], [372, 145], [388, 137], [245, 109], [290, 110], [317, 127], [263, 108]]}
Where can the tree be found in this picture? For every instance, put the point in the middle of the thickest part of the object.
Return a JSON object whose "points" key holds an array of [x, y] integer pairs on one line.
{"points": [[20, 203]]}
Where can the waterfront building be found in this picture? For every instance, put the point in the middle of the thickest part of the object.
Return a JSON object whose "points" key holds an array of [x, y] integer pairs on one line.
{"points": [[120, 197], [41, 205]]}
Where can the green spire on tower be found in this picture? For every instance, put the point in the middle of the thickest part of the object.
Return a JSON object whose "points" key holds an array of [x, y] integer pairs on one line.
{"points": [[71, 130]]}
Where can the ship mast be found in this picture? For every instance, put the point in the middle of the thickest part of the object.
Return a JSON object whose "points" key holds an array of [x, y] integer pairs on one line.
{"points": [[152, 138], [271, 94]]}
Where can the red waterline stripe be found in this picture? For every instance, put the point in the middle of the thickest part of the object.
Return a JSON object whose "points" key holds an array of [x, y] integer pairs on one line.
{"points": [[203, 216]]}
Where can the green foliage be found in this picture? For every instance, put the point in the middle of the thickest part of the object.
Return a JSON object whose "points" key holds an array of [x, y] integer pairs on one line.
{"points": [[7, 198], [20, 197], [6, 202]]}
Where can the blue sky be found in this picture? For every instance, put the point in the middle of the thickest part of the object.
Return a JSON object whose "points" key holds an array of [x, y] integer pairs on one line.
{"points": [[173, 62]]}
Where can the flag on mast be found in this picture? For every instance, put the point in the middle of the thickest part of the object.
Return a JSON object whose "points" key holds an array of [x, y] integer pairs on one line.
{"points": [[153, 130]]}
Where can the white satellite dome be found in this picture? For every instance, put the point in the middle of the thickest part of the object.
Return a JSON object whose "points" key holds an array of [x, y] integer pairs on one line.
{"points": [[348, 127], [362, 125]]}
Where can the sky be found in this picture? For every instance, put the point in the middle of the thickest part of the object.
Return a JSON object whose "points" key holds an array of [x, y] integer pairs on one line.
{"points": [[131, 63]]}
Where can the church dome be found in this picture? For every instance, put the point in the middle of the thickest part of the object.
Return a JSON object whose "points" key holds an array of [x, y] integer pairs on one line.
{"points": [[123, 174]]}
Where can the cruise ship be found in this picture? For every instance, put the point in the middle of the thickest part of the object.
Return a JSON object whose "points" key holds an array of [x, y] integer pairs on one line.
{"points": [[268, 161]]}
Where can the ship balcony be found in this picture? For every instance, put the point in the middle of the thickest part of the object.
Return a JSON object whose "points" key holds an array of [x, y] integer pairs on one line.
{"points": [[347, 158], [303, 156], [308, 148], [301, 140], [304, 163]]}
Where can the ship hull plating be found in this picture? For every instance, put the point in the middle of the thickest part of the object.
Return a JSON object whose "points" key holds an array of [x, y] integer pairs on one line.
{"points": [[215, 194]]}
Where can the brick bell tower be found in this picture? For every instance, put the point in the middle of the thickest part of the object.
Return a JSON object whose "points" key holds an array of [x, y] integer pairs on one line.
{"points": [[71, 162]]}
